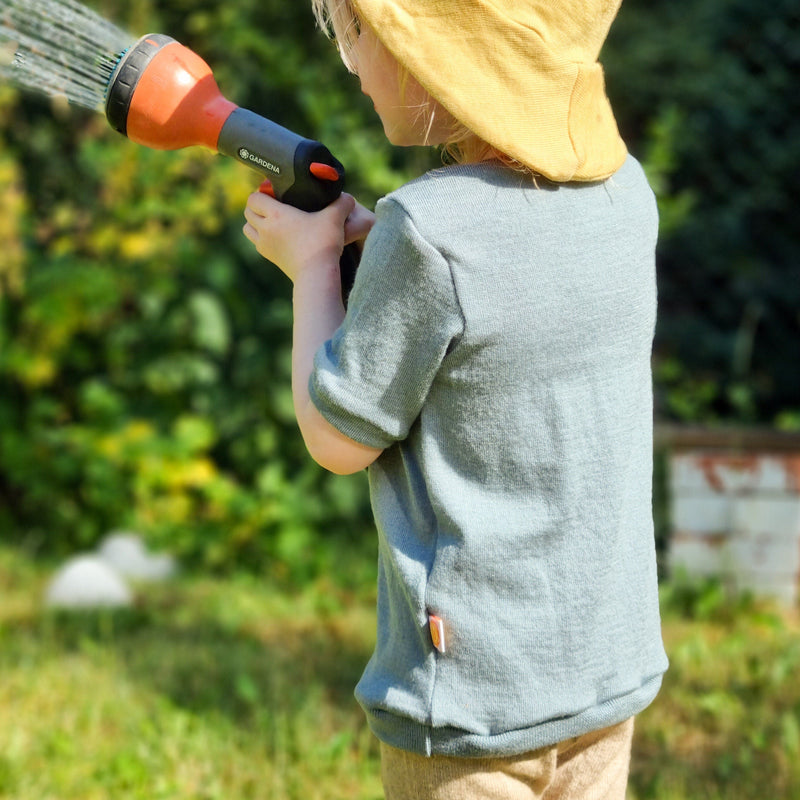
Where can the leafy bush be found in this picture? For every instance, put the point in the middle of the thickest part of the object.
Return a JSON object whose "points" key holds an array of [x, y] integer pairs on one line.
{"points": [[144, 346], [711, 85]]}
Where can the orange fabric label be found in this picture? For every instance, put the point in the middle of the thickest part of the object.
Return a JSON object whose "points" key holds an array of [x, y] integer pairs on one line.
{"points": [[437, 632]]}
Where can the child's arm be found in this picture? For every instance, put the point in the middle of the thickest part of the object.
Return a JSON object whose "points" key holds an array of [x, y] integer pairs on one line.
{"points": [[307, 248]]}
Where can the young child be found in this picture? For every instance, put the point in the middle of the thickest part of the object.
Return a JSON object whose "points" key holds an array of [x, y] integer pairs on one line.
{"points": [[493, 372]]}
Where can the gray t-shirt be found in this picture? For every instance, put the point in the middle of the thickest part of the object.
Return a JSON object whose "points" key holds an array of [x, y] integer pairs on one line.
{"points": [[497, 346]]}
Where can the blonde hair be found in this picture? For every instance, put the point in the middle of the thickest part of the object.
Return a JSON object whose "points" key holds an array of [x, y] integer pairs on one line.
{"points": [[340, 22]]}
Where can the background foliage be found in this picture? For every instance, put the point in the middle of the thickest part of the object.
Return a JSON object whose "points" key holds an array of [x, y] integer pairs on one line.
{"points": [[706, 92], [144, 346]]}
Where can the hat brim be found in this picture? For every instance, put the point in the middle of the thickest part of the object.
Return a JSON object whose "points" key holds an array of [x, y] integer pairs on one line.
{"points": [[506, 83]]}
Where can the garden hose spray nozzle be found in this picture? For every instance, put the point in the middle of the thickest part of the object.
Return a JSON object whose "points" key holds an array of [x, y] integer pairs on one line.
{"points": [[163, 95]]}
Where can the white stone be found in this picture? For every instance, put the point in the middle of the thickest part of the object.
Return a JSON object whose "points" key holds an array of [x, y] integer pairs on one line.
{"points": [[127, 554], [87, 582]]}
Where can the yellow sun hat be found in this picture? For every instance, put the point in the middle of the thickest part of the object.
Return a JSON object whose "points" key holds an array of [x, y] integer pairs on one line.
{"points": [[522, 75]]}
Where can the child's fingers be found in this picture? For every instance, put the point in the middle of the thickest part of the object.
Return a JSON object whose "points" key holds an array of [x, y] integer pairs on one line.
{"points": [[253, 217], [267, 219], [253, 226], [263, 205], [250, 232], [293, 239], [266, 206], [342, 207], [358, 224]]}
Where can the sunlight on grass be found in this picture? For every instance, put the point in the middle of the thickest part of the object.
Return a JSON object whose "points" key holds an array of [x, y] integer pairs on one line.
{"points": [[726, 722], [215, 689], [209, 690]]}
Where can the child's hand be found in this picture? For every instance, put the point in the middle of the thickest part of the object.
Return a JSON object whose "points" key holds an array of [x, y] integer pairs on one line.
{"points": [[296, 240], [357, 225]]}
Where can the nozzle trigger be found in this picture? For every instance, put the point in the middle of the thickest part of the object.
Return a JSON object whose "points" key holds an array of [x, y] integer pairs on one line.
{"points": [[325, 172], [267, 188]]}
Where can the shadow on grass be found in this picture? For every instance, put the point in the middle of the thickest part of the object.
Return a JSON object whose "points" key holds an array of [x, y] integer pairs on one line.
{"points": [[726, 724], [251, 673]]}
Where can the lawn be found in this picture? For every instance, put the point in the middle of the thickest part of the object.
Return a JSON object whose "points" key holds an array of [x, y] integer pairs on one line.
{"points": [[237, 688]]}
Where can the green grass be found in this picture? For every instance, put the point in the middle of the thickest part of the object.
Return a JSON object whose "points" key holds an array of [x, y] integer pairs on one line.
{"points": [[208, 690], [727, 721], [236, 689]]}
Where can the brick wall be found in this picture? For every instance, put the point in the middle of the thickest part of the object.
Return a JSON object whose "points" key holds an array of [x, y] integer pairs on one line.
{"points": [[735, 509]]}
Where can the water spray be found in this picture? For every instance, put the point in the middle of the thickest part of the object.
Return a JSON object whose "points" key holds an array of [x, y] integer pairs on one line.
{"points": [[162, 95]]}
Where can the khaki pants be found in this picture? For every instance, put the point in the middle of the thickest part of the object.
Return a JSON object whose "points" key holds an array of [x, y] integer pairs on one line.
{"points": [[590, 767]]}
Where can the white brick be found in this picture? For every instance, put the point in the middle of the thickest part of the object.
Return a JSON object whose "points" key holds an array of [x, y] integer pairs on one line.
{"points": [[737, 516], [781, 586], [765, 552], [775, 475], [685, 474], [712, 471], [778, 515], [705, 513], [699, 556]]}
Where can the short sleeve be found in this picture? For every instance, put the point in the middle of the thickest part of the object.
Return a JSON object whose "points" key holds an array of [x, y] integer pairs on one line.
{"points": [[371, 379]]}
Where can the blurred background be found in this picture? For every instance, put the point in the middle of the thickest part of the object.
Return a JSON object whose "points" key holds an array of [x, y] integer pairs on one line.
{"points": [[144, 386]]}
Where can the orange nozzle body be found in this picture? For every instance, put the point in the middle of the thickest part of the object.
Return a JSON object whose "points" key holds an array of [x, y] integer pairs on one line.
{"points": [[176, 102], [163, 95]]}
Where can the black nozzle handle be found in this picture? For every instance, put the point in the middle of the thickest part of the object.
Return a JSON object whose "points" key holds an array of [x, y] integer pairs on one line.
{"points": [[285, 158], [302, 172]]}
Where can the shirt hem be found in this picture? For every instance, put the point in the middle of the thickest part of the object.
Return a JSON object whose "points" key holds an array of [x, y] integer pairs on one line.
{"points": [[407, 734]]}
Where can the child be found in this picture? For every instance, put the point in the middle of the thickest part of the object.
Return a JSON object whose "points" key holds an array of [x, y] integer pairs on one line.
{"points": [[493, 371]]}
